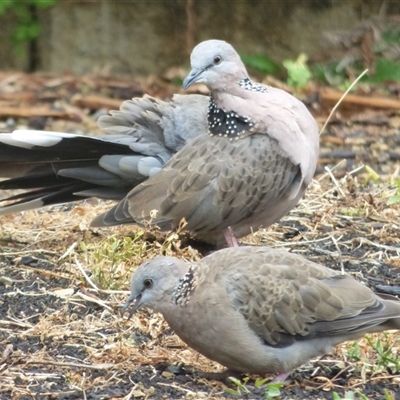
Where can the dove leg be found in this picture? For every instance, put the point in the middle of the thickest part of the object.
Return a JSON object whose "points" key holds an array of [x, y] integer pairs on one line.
{"points": [[230, 238], [280, 378]]}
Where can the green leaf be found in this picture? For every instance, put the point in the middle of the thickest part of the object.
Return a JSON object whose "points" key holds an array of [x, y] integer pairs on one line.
{"points": [[386, 70], [260, 382], [4, 4], [298, 72], [28, 27], [232, 392], [273, 390], [239, 384], [44, 3], [362, 396], [372, 174], [26, 32], [388, 395], [261, 63], [393, 200], [391, 36]]}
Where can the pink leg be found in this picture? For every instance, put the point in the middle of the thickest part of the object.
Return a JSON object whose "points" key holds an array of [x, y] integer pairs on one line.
{"points": [[281, 377], [230, 237]]}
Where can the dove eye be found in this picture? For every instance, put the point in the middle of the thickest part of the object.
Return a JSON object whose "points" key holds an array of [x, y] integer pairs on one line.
{"points": [[148, 283], [217, 60]]}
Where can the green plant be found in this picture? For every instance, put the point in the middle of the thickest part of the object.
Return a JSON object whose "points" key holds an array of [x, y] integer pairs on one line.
{"points": [[330, 74], [350, 396], [261, 63], [28, 26], [371, 174], [298, 72], [357, 395], [386, 70], [388, 395], [396, 197], [109, 258], [374, 177], [241, 387], [272, 390], [353, 351], [387, 357], [391, 36]]}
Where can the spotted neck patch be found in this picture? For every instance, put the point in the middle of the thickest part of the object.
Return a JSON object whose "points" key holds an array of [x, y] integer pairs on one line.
{"points": [[248, 84], [186, 285], [228, 124]]}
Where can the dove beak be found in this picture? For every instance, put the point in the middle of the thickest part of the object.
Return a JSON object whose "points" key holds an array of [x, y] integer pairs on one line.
{"points": [[137, 305], [193, 77]]}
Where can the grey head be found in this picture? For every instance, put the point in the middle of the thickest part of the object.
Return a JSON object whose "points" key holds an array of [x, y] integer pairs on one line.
{"points": [[153, 283], [216, 64]]}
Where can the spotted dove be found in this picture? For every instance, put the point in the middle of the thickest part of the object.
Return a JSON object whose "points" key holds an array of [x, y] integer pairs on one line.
{"points": [[245, 164], [260, 310]]}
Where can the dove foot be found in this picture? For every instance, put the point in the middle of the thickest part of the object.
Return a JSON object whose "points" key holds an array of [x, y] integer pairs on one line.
{"points": [[280, 378], [230, 237]]}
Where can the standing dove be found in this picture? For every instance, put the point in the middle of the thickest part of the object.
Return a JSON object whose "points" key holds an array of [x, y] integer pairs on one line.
{"points": [[251, 168], [248, 167], [260, 310]]}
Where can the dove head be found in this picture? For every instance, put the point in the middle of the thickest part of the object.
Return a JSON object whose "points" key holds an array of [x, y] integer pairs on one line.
{"points": [[153, 282], [216, 64]]}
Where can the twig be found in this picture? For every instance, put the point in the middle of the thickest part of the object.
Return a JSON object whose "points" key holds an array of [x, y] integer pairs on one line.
{"points": [[16, 323], [332, 169], [93, 300], [18, 253], [69, 364], [379, 246], [336, 183], [83, 386], [45, 272], [341, 99], [69, 251], [89, 281], [130, 394], [339, 253], [374, 378]]}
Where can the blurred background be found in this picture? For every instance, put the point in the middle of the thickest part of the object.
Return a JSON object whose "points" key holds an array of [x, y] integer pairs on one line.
{"points": [[141, 37], [64, 63]]}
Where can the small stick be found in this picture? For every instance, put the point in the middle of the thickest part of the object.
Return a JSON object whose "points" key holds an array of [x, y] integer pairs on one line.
{"points": [[69, 251], [341, 99], [334, 181], [339, 253]]}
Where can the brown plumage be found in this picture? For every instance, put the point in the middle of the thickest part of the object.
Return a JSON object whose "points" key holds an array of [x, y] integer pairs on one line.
{"points": [[260, 310], [241, 158], [250, 168]]}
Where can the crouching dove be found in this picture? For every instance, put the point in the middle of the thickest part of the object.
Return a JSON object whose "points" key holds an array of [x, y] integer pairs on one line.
{"points": [[260, 310]]}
